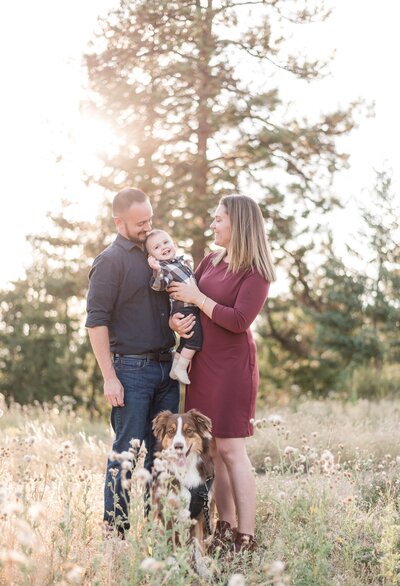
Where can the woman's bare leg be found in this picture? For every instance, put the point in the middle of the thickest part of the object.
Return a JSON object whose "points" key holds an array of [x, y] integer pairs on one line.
{"points": [[237, 471], [223, 492]]}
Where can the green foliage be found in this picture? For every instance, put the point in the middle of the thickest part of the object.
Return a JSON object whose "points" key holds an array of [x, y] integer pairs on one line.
{"points": [[43, 352], [36, 339], [337, 327], [368, 382]]}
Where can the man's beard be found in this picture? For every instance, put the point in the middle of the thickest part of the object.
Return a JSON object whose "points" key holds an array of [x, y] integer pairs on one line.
{"points": [[135, 238]]}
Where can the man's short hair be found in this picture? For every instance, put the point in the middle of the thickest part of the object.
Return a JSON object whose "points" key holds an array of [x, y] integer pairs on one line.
{"points": [[125, 198]]}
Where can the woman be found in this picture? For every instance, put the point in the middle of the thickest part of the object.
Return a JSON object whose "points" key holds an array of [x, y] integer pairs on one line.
{"points": [[232, 288]]}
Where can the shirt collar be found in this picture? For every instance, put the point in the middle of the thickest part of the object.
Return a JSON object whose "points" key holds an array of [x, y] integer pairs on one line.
{"points": [[176, 259], [125, 243]]}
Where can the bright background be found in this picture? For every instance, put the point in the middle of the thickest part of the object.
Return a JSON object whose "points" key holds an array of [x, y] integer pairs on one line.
{"points": [[46, 142]]}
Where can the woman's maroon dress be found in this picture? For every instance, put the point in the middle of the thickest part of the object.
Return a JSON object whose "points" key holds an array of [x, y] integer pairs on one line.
{"points": [[224, 374]]}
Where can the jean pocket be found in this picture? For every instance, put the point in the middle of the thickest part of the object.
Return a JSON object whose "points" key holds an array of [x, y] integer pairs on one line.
{"points": [[123, 363]]}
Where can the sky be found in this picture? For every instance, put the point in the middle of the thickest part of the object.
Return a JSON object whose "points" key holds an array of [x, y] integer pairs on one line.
{"points": [[45, 141]]}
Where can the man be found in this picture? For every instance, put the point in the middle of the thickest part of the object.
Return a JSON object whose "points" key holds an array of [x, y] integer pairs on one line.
{"points": [[128, 329]]}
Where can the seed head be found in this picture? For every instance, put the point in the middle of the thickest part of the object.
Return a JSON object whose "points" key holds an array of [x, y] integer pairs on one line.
{"points": [[237, 580], [151, 565]]}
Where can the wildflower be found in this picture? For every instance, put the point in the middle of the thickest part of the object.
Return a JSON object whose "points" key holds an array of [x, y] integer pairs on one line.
{"points": [[276, 568], [290, 450], [236, 580], [75, 575], [173, 501], [275, 419], [164, 478], [159, 465], [327, 461], [35, 511], [10, 508], [126, 483], [126, 456], [24, 534], [135, 443], [184, 515], [13, 556], [126, 465], [151, 565], [349, 499], [67, 445], [142, 475]]}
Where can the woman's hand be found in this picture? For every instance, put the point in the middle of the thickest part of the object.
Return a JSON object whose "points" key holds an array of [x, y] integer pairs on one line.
{"points": [[182, 325], [188, 291]]}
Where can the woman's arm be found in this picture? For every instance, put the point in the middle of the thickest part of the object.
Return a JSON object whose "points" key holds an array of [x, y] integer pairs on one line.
{"points": [[249, 301]]}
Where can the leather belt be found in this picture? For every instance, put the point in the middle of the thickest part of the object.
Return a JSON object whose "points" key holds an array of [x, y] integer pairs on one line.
{"points": [[165, 356]]}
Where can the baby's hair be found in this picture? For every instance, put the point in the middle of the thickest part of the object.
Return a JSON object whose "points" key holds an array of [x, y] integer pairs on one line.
{"points": [[154, 233]]}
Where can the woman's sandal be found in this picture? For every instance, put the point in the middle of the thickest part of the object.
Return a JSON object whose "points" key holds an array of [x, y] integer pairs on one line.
{"points": [[223, 537]]}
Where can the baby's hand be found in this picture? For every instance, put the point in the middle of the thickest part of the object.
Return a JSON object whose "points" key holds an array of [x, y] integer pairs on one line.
{"points": [[153, 262]]}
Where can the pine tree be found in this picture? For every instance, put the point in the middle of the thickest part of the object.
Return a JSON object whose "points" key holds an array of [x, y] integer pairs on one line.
{"points": [[192, 127]]}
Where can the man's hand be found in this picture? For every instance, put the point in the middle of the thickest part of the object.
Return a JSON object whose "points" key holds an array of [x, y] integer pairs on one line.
{"points": [[153, 262], [182, 325], [114, 392]]}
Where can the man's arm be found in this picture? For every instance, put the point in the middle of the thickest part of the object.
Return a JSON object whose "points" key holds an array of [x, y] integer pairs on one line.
{"points": [[113, 389]]}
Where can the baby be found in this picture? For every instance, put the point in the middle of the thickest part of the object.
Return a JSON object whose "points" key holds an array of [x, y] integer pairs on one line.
{"points": [[168, 267]]}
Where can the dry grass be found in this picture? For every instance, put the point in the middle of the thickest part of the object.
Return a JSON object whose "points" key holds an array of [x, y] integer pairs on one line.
{"points": [[328, 503]]}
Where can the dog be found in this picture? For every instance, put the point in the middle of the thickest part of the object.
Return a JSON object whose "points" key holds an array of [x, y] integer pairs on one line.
{"points": [[184, 441]]}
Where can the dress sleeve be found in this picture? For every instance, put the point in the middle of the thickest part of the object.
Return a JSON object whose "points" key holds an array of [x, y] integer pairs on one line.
{"points": [[249, 301]]}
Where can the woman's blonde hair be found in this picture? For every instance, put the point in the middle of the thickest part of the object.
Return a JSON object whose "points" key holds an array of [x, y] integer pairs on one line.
{"points": [[248, 247]]}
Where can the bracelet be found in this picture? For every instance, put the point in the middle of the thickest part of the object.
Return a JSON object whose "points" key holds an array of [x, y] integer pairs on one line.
{"points": [[203, 302]]}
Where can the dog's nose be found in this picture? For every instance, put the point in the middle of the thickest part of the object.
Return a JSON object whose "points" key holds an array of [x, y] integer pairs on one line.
{"points": [[178, 446]]}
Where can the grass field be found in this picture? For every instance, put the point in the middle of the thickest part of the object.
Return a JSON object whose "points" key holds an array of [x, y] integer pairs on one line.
{"points": [[328, 503]]}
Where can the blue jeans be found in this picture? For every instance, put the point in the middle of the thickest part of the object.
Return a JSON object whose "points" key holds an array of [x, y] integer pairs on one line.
{"points": [[148, 390]]}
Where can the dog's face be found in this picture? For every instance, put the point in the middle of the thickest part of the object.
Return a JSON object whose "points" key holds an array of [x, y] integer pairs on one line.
{"points": [[184, 433]]}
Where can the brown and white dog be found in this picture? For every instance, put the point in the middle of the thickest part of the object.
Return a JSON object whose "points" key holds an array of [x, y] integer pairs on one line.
{"points": [[187, 438]]}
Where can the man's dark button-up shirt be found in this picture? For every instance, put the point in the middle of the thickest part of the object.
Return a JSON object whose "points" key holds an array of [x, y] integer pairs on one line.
{"points": [[120, 298]]}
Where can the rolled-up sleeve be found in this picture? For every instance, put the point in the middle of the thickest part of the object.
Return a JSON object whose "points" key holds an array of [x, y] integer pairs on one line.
{"points": [[104, 279], [160, 280], [249, 302]]}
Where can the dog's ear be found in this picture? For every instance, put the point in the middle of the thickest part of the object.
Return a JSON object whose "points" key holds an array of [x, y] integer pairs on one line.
{"points": [[160, 424], [203, 423]]}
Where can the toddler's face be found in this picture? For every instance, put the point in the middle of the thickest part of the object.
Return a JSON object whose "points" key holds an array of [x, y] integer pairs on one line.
{"points": [[161, 246]]}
